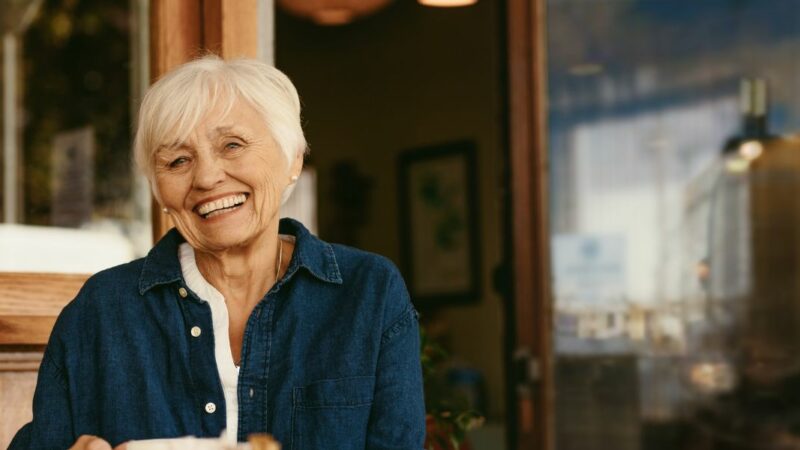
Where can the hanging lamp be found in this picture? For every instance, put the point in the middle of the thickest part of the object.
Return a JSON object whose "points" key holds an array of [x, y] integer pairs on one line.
{"points": [[332, 12], [447, 3]]}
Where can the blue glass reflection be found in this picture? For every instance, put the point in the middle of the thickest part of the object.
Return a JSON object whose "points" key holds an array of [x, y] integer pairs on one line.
{"points": [[678, 329]]}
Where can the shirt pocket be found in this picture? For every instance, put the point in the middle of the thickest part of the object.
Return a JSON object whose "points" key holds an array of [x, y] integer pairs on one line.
{"points": [[332, 414]]}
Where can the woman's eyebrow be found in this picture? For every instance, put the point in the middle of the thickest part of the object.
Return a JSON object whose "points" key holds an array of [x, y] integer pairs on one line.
{"points": [[228, 129], [222, 129], [172, 148]]}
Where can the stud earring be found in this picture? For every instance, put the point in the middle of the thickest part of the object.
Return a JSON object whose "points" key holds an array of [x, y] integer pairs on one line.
{"points": [[165, 210], [294, 178]]}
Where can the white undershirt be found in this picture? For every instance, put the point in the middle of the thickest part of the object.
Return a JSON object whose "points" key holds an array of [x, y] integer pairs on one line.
{"points": [[228, 371]]}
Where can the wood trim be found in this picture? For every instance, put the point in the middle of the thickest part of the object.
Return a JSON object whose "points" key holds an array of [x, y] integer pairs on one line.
{"points": [[20, 361], [175, 35], [18, 329], [212, 25], [540, 231], [30, 303], [527, 39], [231, 28], [37, 294], [239, 29]]}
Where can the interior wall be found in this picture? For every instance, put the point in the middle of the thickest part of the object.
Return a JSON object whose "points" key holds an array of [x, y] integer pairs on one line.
{"points": [[407, 77]]}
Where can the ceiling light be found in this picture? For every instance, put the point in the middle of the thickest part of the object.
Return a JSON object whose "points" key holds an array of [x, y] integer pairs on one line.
{"points": [[332, 12], [447, 3], [751, 150]]}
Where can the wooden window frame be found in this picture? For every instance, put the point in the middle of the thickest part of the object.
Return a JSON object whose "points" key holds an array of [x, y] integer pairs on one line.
{"points": [[180, 30], [531, 325]]}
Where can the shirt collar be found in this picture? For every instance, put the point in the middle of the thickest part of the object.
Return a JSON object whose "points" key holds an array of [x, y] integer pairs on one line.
{"points": [[311, 253], [162, 266]]}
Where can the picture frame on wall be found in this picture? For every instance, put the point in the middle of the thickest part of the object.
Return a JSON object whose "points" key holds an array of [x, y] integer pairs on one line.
{"points": [[439, 223]]}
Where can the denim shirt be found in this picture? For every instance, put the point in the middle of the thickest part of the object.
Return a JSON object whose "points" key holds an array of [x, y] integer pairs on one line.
{"points": [[330, 357]]}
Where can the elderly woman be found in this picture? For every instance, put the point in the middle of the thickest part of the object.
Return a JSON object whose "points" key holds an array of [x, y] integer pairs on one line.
{"points": [[236, 320]]}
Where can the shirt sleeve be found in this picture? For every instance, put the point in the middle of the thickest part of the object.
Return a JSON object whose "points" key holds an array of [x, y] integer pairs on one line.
{"points": [[51, 427], [397, 419]]}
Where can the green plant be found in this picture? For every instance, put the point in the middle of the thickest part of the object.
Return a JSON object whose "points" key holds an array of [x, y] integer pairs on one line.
{"points": [[449, 415]]}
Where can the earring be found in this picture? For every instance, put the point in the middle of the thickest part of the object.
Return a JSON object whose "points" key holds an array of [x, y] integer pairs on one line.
{"points": [[294, 178], [165, 210]]}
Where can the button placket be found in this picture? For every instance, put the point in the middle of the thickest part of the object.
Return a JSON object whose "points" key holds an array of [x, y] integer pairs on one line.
{"points": [[197, 322]]}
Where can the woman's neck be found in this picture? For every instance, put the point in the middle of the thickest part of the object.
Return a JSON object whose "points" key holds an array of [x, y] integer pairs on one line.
{"points": [[243, 275]]}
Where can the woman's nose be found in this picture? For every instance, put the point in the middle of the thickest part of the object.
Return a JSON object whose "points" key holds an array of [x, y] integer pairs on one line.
{"points": [[208, 173]]}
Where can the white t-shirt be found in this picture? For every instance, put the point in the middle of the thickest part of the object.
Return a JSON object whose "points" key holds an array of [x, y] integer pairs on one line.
{"points": [[228, 372]]}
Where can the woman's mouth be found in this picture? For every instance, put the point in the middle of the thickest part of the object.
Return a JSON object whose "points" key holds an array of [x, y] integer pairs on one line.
{"points": [[221, 205]]}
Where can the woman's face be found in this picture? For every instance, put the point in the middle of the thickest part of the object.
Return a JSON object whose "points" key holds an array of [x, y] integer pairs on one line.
{"points": [[223, 185]]}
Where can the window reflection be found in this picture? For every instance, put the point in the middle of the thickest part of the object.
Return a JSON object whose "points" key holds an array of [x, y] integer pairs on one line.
{"points": [[72, 71], [675, 220]]}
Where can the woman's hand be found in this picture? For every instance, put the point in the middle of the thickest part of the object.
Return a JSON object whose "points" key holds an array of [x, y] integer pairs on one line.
{"points": [[89, 442]]}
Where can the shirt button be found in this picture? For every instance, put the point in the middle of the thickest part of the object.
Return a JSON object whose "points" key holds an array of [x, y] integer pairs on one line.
{"points": [[182, 292], [251, 392], [211, 407], [196, 331]]}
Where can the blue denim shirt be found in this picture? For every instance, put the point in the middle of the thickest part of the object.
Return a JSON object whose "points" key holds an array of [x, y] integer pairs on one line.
{"points": [[330, 358]]}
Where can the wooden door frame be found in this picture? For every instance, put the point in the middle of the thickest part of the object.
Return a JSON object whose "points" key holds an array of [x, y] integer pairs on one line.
{"points": [[532, 318]]}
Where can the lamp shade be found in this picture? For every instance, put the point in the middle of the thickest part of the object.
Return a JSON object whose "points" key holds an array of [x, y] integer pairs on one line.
{"points": [[332, 12], [447, 3]]}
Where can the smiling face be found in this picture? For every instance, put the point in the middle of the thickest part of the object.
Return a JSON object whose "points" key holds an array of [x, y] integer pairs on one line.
{"points": [[223, 185]]}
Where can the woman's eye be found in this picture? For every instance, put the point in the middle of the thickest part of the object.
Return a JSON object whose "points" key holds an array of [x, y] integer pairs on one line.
{"points": [[177, 162], [232, 145]]}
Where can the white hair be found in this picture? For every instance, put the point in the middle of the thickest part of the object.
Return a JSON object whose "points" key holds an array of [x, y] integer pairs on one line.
{"points": [[174, 106]]}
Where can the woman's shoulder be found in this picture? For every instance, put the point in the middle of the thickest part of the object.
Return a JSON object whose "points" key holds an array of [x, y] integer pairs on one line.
{"points": [[123, 277], [375, 277], [102, 297], [356, 262], [107, 289]]}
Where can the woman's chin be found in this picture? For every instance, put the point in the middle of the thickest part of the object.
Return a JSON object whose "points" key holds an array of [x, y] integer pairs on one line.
{"points": [[225, 231], [228, 241]]}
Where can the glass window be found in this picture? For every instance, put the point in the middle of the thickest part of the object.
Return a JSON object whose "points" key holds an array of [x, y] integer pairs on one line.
{"points": [[72, 73], [675, 221]]}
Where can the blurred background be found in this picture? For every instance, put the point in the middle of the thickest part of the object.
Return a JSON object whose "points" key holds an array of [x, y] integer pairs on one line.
{"points": [[667, 308]]}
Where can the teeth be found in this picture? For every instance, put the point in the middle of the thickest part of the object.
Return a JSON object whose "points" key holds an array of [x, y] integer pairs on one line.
{"points": [[219, 204]]}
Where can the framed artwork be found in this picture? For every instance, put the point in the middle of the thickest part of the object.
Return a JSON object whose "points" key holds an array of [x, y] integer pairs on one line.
{"points": [[438, 223]]}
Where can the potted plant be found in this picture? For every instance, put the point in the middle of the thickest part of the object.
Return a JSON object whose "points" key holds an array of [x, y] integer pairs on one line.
{"points": [[449, 415]]}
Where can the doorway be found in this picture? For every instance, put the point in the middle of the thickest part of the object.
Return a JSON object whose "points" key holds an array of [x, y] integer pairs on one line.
{"points": [[384, 94]]}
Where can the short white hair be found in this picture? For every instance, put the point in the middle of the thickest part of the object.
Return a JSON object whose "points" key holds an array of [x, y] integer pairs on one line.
{"points": [[175, 104]]}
